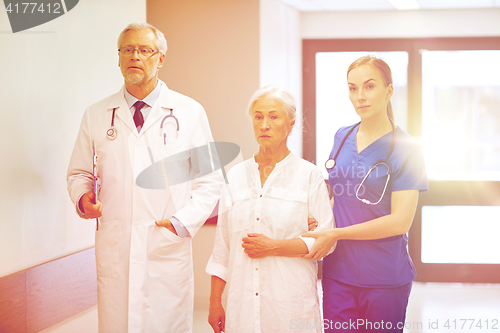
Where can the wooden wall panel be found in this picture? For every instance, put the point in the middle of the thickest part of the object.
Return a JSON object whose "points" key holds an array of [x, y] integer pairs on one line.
{"points": [[13, 303], [60, 289], [44, 295]]}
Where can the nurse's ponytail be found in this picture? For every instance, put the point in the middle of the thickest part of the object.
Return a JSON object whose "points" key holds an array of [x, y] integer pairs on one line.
{"points": [[384, 70]]}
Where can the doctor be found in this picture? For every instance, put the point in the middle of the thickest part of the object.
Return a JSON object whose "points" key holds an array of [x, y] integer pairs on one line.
{"points": [[376, 171], [143, 243]]}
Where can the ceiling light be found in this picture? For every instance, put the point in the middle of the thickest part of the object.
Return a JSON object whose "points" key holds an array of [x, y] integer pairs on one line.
{"points": [[405, 4]]}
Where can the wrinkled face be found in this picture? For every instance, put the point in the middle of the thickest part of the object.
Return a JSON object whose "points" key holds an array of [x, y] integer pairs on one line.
{"points": [[367, 91], [271, 124], [137, 69]]}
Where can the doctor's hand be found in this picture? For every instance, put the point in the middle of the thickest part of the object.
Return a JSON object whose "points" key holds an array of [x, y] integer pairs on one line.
{"points": [[88, 207], [167, 224], [258, 245], [325, 240]]}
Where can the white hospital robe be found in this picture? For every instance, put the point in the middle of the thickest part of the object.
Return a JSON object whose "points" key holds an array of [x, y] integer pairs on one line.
{"points": [[272, 294]]}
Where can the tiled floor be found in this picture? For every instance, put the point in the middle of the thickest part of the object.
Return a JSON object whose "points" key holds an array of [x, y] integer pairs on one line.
{"points": [[436, 308], [433, 308], [454, 307]]}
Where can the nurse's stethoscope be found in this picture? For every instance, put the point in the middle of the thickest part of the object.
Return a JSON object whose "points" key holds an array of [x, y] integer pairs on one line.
{"points": [[330, 164], [112, 131]]}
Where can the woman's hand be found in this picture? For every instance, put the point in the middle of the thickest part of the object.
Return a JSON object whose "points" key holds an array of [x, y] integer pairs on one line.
{"points": [[325, 240], [312, 224], [216, 313], [258, 245], [217, 317]]}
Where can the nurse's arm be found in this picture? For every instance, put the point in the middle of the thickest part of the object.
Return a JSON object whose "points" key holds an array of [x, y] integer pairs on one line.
{"points": [[398, 222], [260, 246]]}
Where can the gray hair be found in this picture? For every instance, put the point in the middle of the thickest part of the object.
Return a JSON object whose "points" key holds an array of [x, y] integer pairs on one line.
{"points": [[279, 94], [161, 42]]}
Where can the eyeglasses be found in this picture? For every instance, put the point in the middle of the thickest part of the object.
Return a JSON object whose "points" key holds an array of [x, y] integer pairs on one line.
{"points": [[142, 51]]}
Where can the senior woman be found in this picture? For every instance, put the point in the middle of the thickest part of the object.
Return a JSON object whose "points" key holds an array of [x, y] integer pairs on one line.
{"points": [[263, 210]]}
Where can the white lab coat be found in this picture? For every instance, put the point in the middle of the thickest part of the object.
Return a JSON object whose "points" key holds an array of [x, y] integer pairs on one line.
{"points": [[144, 272]]}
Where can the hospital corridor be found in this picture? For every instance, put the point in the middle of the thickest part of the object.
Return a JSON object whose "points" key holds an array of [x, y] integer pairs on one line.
{"points": [[394, 104]]}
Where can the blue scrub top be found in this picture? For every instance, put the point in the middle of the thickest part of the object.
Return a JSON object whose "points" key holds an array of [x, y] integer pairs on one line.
{"points": [[382, 262]]}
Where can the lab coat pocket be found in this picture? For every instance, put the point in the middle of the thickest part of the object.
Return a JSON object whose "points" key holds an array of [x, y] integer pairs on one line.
{"points": [[107, 249], [289, 209], [167, 253], [239, 215]]}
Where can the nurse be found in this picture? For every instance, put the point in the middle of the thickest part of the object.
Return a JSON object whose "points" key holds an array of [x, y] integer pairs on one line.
{"points": [[367, 279]]}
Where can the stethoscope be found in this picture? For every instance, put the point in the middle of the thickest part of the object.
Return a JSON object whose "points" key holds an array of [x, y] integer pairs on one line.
{"points": [[112, 132], [171, 115], [330, 164]]}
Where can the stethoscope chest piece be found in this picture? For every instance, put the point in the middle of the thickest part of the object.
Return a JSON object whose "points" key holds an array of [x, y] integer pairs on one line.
{"points": [[330, 164], [112, 133]]}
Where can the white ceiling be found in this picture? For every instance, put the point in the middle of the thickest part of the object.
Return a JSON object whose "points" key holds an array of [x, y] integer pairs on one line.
{"points": [[366, 5]]}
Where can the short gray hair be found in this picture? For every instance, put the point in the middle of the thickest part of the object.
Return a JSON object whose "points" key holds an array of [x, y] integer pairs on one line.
{"points": [[161, 42], [284, 97]]}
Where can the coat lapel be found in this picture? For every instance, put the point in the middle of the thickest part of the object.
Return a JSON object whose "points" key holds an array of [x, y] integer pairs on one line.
{"points": [[160, 109], [122, 110]]}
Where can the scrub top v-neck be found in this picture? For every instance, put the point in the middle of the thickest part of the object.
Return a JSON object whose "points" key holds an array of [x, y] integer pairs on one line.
{"points": [[382, 262]]}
